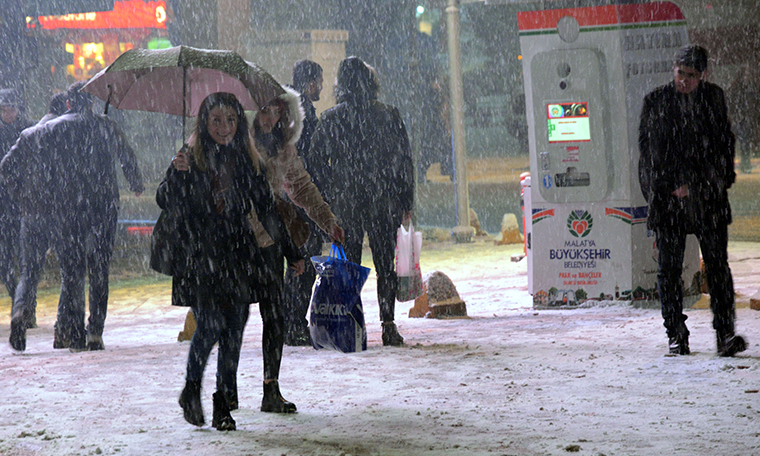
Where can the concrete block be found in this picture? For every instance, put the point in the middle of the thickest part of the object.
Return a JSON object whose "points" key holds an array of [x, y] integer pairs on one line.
{"points": [[421, 305], [189, 329], [439, 299], [456, 308], [754, 301], [475, 223], [510, 231], [463, 234]]}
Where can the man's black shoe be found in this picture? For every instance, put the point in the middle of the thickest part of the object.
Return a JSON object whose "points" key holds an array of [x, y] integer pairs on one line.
{"points": [[221, 418], [95, 343], [18, 337], [729, 345], [78, 346], [190, 401], [273, 402], [679, 345]]}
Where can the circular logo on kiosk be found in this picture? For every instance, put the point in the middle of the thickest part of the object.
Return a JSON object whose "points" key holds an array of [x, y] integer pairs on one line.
{"points": [[579, 223]]}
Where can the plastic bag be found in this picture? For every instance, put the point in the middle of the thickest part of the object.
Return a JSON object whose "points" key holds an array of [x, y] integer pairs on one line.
{"points": [[408, 249], [336, 320]]}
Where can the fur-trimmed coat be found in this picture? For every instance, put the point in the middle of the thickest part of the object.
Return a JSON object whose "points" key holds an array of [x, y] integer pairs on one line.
{"points": [[289, 179]]}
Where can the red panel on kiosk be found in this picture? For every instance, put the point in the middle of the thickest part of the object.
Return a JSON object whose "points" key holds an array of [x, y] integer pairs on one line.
{"points": [[600, 15]]}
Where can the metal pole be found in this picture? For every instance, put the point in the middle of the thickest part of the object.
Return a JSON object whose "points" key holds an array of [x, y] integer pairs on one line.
{"points": [[463, 232], [184, 102]]}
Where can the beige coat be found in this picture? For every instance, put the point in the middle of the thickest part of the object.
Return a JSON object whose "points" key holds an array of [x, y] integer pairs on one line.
{"points": [[292, 183]]}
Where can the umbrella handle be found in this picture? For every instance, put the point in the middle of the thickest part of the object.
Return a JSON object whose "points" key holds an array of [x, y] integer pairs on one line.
{"points": [[184, 100], [108, 101]]}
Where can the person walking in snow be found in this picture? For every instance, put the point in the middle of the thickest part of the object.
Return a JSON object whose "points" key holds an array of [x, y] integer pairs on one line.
{"points": [[686, 167], [31, 256], [277, 127], [307, 80], [367, 173], [65, 176], [12, 123], [211, 187]]}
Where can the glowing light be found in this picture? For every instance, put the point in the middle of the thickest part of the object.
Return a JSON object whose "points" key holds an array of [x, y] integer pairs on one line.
{"points": [[420, 10], [160, 14]]}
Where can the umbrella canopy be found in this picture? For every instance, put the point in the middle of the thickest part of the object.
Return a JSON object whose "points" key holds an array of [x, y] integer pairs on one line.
{"points": [[177, 80]]}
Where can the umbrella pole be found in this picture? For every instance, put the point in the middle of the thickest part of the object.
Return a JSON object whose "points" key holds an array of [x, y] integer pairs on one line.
{"points": [[184, 95], [108, 101]]}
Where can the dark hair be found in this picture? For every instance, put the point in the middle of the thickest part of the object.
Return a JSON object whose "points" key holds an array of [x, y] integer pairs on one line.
{"points": [[58, 104], [78, 100], [355, 81], [304, 72], [241, 141], [278, 130], [10, 97], [692, 56]]}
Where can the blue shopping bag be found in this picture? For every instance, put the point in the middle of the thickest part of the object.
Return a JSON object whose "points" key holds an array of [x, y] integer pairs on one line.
{"points": [[336, 320]]}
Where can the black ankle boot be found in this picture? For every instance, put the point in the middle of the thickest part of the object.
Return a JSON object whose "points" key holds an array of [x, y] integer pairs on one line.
{"points": [[730, 344], [679, 344], [678, 340], [190, 401], [221, 419], [391, 337], [273, 401]]}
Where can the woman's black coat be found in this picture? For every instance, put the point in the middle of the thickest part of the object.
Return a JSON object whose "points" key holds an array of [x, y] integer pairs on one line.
{"points": [[219, 250]]}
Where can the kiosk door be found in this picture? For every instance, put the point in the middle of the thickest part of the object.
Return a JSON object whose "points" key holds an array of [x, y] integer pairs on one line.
{"points": [[574, 162]]}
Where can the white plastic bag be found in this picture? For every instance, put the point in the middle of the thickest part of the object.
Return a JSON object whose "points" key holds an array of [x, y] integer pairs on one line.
{"points": [[408, 249]]}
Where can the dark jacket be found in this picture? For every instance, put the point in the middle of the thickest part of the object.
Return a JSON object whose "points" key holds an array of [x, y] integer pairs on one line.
{"points": [[364, 161], [68, 165], [310, 121], [219, 249], [9, 133], [693, 147]]}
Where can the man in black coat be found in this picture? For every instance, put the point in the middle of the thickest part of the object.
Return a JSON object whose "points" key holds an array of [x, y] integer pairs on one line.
{"points": [[13, 245], [12, 123], [64, 175], [685, 169], [307, 80], [367, 175]]}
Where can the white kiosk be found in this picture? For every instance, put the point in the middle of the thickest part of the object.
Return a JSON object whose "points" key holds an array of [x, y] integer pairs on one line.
{"points": [[586, 72]]}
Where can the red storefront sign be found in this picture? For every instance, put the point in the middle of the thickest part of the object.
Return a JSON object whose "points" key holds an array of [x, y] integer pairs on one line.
{"points": [[126, 14]]}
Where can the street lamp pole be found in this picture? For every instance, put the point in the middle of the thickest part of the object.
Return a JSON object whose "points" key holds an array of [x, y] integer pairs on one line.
{"points": [[463, 232]]}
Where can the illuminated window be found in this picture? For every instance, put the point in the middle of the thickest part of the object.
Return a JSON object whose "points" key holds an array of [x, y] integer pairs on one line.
{"points": [[124, 47]]}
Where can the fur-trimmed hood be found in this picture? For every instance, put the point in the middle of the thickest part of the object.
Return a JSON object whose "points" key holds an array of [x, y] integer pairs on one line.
{"points": [[292, 119]]}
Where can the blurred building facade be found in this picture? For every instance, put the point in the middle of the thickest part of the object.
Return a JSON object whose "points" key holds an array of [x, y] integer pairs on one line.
{"points": [[46, 44]]}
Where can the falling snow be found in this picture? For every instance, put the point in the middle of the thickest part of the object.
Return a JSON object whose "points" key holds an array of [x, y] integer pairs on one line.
{"points": [[507, 380]]}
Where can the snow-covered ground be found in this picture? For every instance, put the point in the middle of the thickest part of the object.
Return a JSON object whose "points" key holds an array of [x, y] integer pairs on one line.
{"points": [[507, 380]]}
